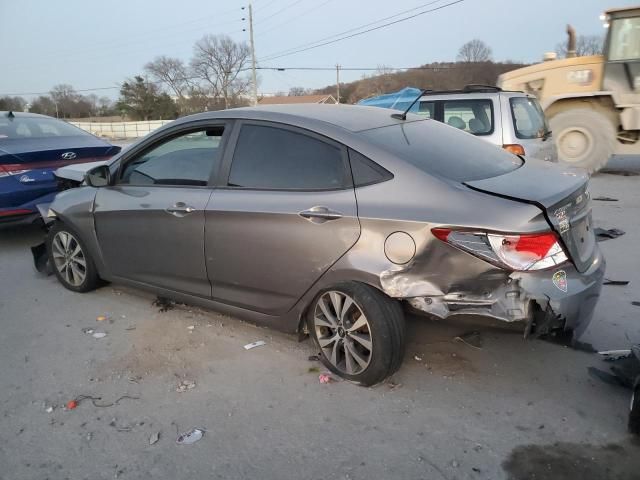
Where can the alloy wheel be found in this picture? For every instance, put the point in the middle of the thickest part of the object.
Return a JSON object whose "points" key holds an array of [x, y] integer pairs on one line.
{"points": [[69, 258], [343, 332]]}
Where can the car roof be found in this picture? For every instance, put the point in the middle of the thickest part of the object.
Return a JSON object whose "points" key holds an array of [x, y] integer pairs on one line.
{"points": [[460, 95], [355, 118], [5, 113]]}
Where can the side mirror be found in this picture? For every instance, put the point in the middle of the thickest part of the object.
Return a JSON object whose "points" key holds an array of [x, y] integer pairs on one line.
{"points": [[99, 176]]}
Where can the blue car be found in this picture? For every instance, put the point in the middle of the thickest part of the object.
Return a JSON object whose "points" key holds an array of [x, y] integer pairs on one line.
{"points": [[32, 147]]}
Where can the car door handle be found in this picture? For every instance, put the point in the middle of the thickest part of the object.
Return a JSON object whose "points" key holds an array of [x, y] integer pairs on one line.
{"points": [[180, 209], [320, 214]]}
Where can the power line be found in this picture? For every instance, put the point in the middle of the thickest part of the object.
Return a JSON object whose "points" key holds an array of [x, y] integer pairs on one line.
{"points": [[286, 7], [306, 12], [317, 45]]}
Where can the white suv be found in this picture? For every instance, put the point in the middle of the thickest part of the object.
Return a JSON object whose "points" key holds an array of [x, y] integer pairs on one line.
{"points": [[512, 120]]}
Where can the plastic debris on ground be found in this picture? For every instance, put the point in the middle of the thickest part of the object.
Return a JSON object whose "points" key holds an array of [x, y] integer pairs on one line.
{"points": [[325, 378], [190, 437], [71, 404], [417, 358], [259, 343], [605, 199], [164, 303], [472, 339], [604, 234], [153, 439], [101, 318], [99, 335], [49, 409], [617, 283], [185, 385]]}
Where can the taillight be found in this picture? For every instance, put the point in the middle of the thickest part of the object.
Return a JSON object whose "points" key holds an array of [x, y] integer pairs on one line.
{"points": [[9, 170], [527, 251], [515, 148]]}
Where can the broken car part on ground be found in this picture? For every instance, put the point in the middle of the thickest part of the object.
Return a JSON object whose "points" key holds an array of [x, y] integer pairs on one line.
{"points": [[353, 223]]}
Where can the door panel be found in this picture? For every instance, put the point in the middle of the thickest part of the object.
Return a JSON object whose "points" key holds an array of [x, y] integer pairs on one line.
{"points": [[263, 255], [154, 235]]}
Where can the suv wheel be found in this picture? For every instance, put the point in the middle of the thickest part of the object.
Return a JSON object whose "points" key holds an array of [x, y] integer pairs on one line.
{"points": [[360, 332], [70, 259]]}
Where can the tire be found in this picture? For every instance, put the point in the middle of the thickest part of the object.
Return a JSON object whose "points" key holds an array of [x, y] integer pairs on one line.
{"points": [[67, 253], [366, 342], [634, 414], [584, 138]]}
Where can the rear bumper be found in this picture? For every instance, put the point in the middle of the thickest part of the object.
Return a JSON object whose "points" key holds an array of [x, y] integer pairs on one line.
{"points": [[547, 300]]}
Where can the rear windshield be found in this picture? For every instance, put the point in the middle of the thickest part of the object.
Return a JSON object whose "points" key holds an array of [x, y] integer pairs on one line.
{"points": [[36, 127], [444, 151], [528, 118]]}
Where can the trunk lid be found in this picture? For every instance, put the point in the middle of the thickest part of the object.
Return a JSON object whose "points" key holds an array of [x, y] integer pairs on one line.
{"points": [[561, 193]]}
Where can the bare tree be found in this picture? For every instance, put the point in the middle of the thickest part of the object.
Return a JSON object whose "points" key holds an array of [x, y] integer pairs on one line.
{"points": [[297, 91], [474, 51], [172, 72], [585, 45], [219, 62]]}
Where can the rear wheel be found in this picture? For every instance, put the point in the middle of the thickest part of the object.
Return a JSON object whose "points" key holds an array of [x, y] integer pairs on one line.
{"points": [[70, 259], [585, 138], [360, 332]]}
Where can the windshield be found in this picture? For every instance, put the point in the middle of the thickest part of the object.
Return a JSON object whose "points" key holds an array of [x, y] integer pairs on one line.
{"points": [[36, 127], [528, 118], [624, 42], [444, 151]]}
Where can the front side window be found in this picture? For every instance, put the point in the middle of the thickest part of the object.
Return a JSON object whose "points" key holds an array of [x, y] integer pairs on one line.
{"points": [[624, 43], [275, 158], [188, 159], [528, 118], [473, 116]]}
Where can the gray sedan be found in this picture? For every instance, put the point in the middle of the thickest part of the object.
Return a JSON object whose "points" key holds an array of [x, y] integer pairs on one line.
{"points": [[328, 220]]}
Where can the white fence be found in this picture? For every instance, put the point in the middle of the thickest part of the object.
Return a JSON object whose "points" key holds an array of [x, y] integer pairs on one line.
{"points": [[120, 130]]}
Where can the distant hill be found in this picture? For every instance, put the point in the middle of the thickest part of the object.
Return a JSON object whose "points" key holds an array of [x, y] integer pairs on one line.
{"points": [[436, 76]]}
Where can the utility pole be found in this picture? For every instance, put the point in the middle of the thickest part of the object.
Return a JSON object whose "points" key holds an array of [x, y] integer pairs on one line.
{"points": [[338, 82], [253, 58]]}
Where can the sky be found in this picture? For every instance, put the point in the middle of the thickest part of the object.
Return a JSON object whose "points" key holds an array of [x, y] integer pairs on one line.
{"points": [[94, 44]]}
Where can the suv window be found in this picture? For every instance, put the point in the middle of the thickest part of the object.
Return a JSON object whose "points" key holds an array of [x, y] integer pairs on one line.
{"points": [[276, 158], [442, 151], [187, 159], [474, 115], [528, 118], [427, 109]]}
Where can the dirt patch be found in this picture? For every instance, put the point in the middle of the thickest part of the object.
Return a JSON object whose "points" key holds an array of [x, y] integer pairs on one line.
{"points": [[568, 461]]}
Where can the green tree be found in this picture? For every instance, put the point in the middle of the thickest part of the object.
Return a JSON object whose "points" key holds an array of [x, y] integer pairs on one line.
{"points": [[142, 100]]}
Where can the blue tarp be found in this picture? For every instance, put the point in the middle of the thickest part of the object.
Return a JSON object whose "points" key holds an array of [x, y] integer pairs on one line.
{"points": [[399, 100]]}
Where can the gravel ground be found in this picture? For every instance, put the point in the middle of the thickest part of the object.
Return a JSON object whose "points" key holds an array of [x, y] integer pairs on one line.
{"points": [[511, 409]]}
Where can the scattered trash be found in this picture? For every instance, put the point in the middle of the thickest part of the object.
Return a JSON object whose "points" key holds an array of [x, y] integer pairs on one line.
{"points": [[49, 409], [192, 436], [80, 398], [313, 358], [455, 464], [99, 335], [185, 385], [71, 404], [101, 318], [87, 330], [615, 282], [393, 385], [191, 327], [606, 199], [417, 358], [472, 339], [153, 439], [164, 303], [313, 370], [128, 329], [89, 436], [603, 234], [325, 378], [134, 379], [625, 372], [259, 343]]}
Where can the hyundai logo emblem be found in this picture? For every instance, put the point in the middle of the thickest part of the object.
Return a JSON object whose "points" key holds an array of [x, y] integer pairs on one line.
{"points": [[68, 155]]}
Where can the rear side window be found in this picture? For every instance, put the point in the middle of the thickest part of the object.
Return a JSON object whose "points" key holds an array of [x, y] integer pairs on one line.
{"points": [[427, 109], [528, 118], [188, 159], [36, 127], [366, 172], [474, 116], [442, 151], [275, 158]]}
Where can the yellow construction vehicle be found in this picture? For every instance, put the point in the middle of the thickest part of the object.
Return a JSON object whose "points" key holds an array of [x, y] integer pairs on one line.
{"points": [[593, 102]]}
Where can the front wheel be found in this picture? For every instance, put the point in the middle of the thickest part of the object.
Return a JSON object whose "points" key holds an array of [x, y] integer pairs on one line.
{"points": [[70, 259], [360, 332]]}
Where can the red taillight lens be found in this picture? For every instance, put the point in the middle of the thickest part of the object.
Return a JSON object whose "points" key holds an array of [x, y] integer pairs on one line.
{"points": [[7, 170], [19, 211], [512, 251]]}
